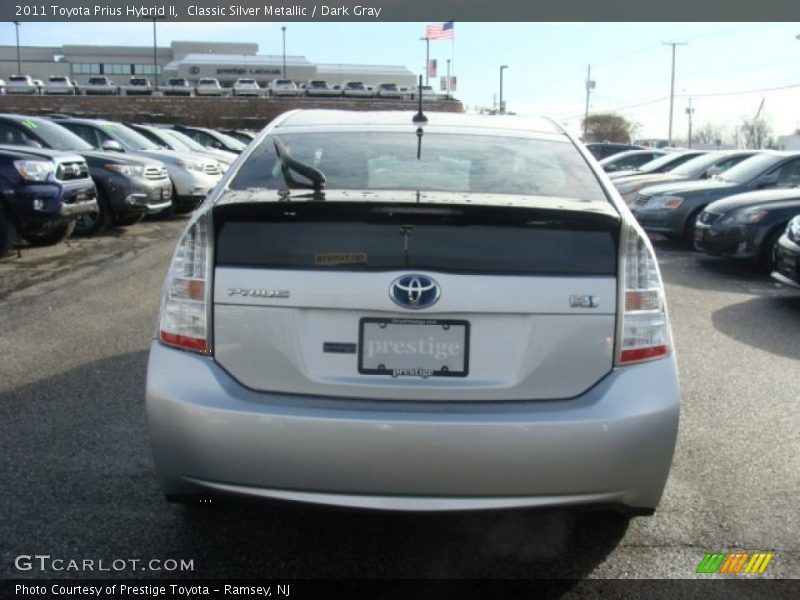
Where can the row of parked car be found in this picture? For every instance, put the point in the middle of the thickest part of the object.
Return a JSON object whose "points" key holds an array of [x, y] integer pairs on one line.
{"points": [[741, 204], [209, 86], [62, 174]]}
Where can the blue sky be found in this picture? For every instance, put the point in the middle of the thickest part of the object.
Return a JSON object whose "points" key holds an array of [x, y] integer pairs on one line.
{"points": [[547, 62]]}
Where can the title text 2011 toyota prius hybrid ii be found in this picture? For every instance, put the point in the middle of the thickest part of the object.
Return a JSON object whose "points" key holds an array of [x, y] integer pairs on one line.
{"points": [[379, 311]]}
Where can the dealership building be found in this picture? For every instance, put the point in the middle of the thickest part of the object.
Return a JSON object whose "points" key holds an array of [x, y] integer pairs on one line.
{"points": [[225, 61]]}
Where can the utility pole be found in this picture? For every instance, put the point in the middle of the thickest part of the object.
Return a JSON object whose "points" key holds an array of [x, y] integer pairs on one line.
{"points": [[590, 85], [672, 86], [689, 113], [19, 67]]}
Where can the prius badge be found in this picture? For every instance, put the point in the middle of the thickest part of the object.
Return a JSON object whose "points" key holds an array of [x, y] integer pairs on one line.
{"points": [[414, 291]]}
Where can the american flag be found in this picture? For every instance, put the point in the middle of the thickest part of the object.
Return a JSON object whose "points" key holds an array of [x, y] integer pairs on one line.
{"points": [[440, 31]]}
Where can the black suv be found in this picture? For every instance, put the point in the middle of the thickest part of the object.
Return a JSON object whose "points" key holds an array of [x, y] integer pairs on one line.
{"points": [[127, 187], [42, 192]]}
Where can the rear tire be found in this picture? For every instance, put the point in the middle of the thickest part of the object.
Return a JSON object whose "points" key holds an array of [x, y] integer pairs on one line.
{"points": [[8, 233], [52, 236], [89, 224]]}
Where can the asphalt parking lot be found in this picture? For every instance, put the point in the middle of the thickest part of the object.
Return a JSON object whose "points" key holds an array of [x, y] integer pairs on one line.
{"points": [[75, 322]]}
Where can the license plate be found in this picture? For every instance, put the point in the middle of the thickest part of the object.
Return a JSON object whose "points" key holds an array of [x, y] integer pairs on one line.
{"points": [[413, 347]]}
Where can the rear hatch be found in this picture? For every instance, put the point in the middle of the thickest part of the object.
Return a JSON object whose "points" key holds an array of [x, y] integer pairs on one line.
{"points": [[317, 297]]}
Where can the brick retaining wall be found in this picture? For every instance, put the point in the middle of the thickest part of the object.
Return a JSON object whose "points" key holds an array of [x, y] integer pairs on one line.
{"points": [[252, 113]]}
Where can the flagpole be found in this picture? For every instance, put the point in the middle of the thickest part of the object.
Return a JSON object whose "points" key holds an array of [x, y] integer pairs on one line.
{"points": [[452, 56]]}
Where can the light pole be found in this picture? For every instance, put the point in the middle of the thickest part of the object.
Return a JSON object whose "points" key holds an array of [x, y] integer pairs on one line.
{"points": [[502, 103], [448, 79], [283, 30], [427, 41], [19, 68], [689, 113], [589, 87], [672, 86], [155, 54]]}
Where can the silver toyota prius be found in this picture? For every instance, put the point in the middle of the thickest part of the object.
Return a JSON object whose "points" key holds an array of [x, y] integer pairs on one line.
{"points": [[414, 312]]}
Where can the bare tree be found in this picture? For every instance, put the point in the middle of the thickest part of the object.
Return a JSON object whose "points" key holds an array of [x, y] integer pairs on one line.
{"points": [[757, 133], [608, 127], [710, 134]]}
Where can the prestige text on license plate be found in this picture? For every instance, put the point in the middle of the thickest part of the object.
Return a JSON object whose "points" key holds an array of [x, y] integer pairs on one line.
{"points": [[413, 347]]}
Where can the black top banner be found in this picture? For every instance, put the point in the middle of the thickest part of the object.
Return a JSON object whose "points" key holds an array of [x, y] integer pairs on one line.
{"points": [[400, 10]]}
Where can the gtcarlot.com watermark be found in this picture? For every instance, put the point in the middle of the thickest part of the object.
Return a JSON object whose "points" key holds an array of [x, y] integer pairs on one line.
{"points": [[48, 563]]}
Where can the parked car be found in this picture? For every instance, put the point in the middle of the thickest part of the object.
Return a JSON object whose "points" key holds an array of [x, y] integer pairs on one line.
{"points": [[208, 86], [175, 140], [787, 257], [283, 87], [747, 226], [671, 209], [629, 160], [351, 370], [21, 84], [138, 86], [318, 87], [388, 90], [177, 86], [60, 85], [246, 87], [100, 86], [211, 138], [127, 187], [355, 89], [2, 86], [662, 164], [700, 167], [43, 192], [601, 150], [193, 177]]}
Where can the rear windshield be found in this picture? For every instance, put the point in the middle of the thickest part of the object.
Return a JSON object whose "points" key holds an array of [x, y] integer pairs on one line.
{"points": [[58, 80], [176, 82], [479, 239], [137, 81], [208, 82], [18, 79], [98, 80], [448, 162], [247, 81]]}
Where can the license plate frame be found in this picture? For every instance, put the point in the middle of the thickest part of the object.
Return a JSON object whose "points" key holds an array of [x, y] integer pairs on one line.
{"points": [[421, 325]]}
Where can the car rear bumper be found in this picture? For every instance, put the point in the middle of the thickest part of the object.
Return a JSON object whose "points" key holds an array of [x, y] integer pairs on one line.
{"points": [[612, 445]]}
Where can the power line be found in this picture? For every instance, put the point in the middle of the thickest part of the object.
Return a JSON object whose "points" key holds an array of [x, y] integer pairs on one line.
{"points": [[692, 95]]}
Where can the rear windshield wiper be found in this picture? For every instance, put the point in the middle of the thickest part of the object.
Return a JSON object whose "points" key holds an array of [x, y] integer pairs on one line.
{"points": [[289, 164]]}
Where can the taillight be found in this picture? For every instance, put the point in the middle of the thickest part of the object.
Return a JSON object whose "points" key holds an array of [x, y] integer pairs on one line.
{"points": [[643, 333], [184, 321]]}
